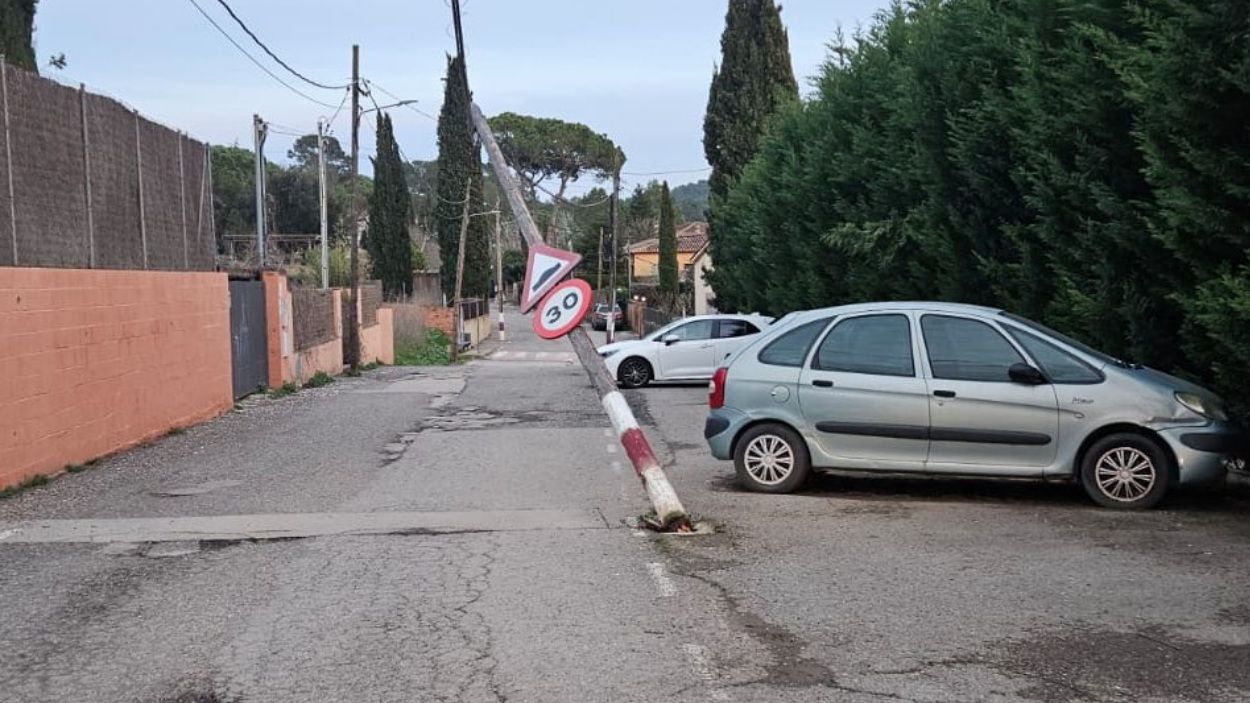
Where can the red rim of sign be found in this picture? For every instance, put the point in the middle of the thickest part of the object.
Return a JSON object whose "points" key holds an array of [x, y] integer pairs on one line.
{"points": [[574, 321]]}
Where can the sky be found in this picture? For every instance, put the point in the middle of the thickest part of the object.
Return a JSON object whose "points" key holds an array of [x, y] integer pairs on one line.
{"points": [[637, 71]]}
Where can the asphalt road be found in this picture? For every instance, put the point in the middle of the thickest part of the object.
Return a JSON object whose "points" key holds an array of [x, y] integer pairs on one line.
{"points": [[464, 534]]}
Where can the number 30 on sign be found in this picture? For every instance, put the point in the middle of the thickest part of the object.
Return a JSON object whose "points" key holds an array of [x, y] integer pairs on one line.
{"points": [[562, 309]]}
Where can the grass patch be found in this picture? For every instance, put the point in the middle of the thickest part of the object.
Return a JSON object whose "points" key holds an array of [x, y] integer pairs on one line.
{"points": [[33, 482], [287, 388], [79, 468], [433, 350], [319, 379]]}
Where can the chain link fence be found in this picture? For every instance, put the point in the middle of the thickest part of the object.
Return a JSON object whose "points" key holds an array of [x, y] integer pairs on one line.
{"points": [[85, 182]]}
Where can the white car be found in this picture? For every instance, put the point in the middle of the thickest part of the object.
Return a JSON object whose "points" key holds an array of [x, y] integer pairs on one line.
{"points": [[689, 349]]}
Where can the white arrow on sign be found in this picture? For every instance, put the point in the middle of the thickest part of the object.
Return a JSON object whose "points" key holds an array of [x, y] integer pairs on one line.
{"points": [[546, 267]]}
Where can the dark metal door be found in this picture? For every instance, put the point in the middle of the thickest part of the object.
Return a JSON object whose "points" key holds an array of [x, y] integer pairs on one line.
{"points": [[249, 354]]}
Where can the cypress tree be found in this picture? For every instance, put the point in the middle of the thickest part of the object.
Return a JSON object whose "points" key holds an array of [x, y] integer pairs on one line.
{"points": [[390, 208], [754, 81], [460, 161], [17, 25], [668, 247]]}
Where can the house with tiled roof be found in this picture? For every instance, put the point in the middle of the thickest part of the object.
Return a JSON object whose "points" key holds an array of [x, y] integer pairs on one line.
{"points": [[693, 262]]}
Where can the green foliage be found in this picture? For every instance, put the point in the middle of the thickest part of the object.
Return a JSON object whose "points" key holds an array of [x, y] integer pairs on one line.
{"points": [[754, 80], [33, 482], [513, 266], [390, 206], [340, 266], [1081, 162], [288, 388], [417, 257], [319, 379], [17, 24], [234, 194], [691, 200], [434, 350], [460, 163], [668, 246], [303, 155]]}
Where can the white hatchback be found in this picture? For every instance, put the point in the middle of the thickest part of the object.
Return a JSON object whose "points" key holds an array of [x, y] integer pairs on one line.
{"points": [[689, 349]]}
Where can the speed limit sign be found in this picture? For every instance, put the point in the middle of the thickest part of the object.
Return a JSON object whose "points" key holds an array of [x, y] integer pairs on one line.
{"points": [[562, 309]]}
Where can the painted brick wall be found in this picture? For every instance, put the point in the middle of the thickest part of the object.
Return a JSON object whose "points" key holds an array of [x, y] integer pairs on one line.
{"points": [[93, 361]]}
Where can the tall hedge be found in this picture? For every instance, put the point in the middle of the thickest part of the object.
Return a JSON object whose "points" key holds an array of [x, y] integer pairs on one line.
{"points": [[1082, 162]]}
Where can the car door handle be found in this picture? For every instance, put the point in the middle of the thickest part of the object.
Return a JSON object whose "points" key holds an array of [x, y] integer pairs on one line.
{"points": [[944, 394], [822, 383], [706, 346]]}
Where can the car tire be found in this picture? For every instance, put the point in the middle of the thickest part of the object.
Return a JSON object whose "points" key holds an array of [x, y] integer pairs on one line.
{"points": [[790, 463], [634, 372], [1126, 471]]}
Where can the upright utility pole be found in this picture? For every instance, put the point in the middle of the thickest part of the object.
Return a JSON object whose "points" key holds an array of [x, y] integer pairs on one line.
{"points": [[464, 231], [259, 131], [616, 196], [352, 355], [499, 271], [325, 223], [599, 266]]}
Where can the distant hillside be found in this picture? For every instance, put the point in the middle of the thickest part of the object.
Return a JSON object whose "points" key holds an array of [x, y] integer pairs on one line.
{"points": [[691, 199]]}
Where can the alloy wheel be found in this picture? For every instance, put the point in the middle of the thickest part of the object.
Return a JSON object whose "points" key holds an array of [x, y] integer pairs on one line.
{"points": [[1125, 474], [769, 459], [635, 373]]}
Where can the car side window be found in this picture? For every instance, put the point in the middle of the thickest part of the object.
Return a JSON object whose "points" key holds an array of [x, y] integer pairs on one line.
{"points": [[790, 349], [735, 328], [699, 329], [872, 344], [1059, 365], [961, 349]]}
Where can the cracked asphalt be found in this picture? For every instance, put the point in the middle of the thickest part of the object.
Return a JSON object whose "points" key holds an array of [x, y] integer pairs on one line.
{"points": [[857, 589]]}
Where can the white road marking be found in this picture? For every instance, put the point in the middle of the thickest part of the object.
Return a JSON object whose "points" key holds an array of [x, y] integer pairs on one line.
{"points": [[663, 583], [697, 654], [611, 448], [607, 432], [5, 534]]}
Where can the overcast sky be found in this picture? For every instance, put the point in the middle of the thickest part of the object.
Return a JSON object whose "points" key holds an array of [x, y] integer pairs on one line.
{"points": [[637, 70]]}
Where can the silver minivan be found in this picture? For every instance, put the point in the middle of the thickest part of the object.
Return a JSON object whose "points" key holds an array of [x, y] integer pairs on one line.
{"points": [[941, 388]]}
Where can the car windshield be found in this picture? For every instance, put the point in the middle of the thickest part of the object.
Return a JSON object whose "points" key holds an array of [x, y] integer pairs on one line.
{"points": [[1079, 346], [602, 308]]}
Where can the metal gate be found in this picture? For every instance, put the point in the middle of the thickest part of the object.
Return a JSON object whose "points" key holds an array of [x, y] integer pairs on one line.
{"points": [[248, 351]]}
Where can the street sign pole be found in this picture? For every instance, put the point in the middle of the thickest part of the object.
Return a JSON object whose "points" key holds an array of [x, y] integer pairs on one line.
{"points": [[669, 512]]}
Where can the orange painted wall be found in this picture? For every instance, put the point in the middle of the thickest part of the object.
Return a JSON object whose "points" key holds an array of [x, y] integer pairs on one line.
{"points": [[377, 343], [94, 361]]}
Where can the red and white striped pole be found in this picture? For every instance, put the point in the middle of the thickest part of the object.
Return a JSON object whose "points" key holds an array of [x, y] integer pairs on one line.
{"points": [[669, 512]]}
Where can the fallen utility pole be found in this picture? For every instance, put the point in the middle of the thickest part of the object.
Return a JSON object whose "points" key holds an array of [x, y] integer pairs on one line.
{"points": [[668, 509]]}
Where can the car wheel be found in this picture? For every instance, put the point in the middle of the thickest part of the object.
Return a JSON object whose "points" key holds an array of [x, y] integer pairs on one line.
{"points": [[635, 372], [772, 459], [1126, 471]]}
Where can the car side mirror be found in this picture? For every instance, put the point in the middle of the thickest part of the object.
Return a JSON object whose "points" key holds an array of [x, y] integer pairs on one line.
{"points": [[1023, 373], [670, 339]]}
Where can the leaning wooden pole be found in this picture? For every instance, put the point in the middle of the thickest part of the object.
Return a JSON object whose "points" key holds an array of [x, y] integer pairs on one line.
{"points": [[668, 509]]}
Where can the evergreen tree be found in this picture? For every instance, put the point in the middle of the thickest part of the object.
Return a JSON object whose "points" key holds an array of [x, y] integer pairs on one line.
{"points": [[390, 212], [460, 162], [17, 26], [668, 247], [754, 81]]}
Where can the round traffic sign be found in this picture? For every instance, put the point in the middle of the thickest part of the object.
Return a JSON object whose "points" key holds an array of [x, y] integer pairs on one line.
{"points": [[562, 309]]}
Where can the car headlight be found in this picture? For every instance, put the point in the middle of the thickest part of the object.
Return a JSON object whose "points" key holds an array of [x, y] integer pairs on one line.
{"points": [[1202, 406], [606, 354]]}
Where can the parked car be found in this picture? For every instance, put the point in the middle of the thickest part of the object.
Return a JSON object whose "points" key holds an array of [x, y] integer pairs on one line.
{"points": [[951, 389], [599, 317], [688, 349]]}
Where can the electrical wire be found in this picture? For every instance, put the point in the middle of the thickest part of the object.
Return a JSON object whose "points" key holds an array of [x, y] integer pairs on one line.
{"points": [[274, 56], [396, 98], [253, 59], [666, 173]]}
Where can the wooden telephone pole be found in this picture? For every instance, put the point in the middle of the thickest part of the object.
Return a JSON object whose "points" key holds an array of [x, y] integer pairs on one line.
{"points": [[352, 352]]}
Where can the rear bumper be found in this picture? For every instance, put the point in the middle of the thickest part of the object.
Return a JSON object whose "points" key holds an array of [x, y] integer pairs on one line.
{"points": [[1205, 454], [720, 429]]}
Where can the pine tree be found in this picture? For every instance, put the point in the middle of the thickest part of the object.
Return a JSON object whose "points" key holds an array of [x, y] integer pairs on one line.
{"points": [[390, 210], [668, 247], [17, 23], [754, 81], [460, 162]]}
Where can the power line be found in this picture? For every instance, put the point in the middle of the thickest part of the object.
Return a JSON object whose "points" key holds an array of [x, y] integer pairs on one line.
{"points": [[251, 58], [395, 97], [666, 173], [274, 56]]}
